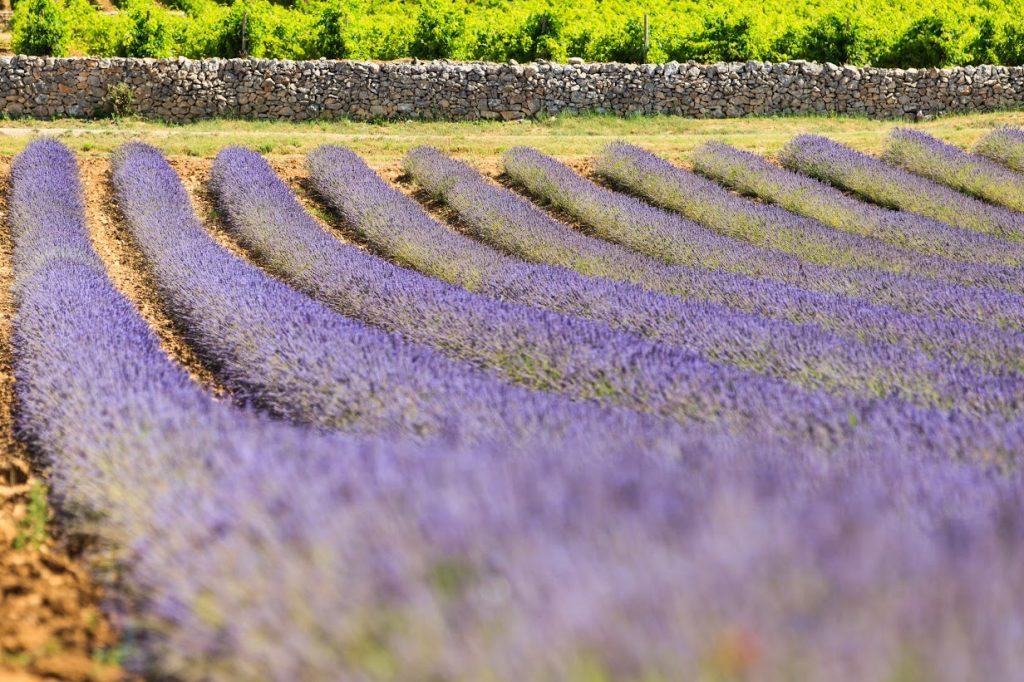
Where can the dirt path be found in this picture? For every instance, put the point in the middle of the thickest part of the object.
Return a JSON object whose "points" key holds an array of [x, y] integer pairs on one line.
{"points": [[51, 625], [127, 269]]}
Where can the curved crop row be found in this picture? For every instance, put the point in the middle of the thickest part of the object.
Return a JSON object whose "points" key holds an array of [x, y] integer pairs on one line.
{"points": [[372, 209], [132, 438], [124, 407], [801, 353], [697, 198], [924, 155], [1004, 145], [276, 347], [265, 551], [659, 233], [518, 227], [632, 223], [754, 175], [894, 187], [553, 351]]}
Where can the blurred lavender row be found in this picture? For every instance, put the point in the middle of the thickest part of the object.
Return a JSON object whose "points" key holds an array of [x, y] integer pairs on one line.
{"points": [[894, 187], [659, 233], [656, 180], [924, 155], [801, 353], [263, 551], [541, 349], [751, 174], [381, 215], [274, 347], [517, 227], [1003, 145]]}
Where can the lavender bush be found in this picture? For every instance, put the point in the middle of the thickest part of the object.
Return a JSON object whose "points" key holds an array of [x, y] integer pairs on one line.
{"points": [[518, 227], [751, 174], [264, 551], [278, 349], [707, 202], [800, 353], [922, 154], [581, 357], [666, 235], [893, 187], [1003, 145]]}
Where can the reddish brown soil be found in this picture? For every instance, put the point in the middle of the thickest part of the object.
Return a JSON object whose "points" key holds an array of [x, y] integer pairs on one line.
{"points": [[127, 269], [51, 624]]}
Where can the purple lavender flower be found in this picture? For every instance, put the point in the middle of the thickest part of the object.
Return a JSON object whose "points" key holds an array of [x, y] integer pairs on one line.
{"points": [[707, 202], [382, 215], [545, 567], [276, 348], [545, 349], [1003, 145], [799, 353], [264, 550], [754, 175], [924, 155], [517, 227], [893, 187], [665, 235]]}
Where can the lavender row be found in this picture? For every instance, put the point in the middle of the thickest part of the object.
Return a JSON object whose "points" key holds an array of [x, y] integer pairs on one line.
{"points": [[1003, 145], [926, 156], [265, 551], [633, 223], [133, 442], [659, 233], [123, 388], [537, 347], [276, 348], [706, 202], [644, 174], [519, 228], [467, 567], [371, 208], [754, 175], [894, 187], [800, 353]]}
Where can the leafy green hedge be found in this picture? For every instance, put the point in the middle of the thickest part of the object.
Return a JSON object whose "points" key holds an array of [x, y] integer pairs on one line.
{"points": [[880, 32]]}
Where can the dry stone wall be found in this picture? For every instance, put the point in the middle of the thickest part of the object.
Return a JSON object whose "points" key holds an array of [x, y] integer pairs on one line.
{"points": [[186, 90]]}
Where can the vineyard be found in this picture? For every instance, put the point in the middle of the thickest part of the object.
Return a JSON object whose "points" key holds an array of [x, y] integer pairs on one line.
{"points": [[644, 415], [878, 32]]}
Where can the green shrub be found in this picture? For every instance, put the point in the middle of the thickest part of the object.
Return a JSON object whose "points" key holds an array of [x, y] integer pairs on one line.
{"points": [[40, 28], [329, 33], [721, 38], [926, 42], [982, 49], [883, 32], [1008, 46], [120, 100], [242, 31], [542, 38], [439, 28], [626, 44], [836, 39], [146, 34]]}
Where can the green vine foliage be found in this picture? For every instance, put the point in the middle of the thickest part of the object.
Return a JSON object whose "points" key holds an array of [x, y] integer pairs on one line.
{"points": [[878, 32], [40, 27]]}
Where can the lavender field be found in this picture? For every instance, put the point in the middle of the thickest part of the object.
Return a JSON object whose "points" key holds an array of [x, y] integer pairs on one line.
{"points": [[708, 416]]}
